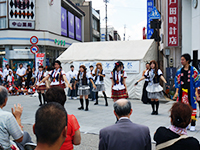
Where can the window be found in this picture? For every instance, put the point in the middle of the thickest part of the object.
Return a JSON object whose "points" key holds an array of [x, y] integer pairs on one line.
{"points": [[77, 4], [95, 24], [2, 14]]}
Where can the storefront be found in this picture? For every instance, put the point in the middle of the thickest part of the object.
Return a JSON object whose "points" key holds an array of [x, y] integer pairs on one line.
{"points": [[56, 25]]}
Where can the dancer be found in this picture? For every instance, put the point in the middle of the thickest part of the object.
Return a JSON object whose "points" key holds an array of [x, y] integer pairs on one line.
{"points": [[118, 77], [42, 87], [99, 75], [83, 88], [145, 98], [58, 77], [154, 90], [72, 75], [187, 81]]}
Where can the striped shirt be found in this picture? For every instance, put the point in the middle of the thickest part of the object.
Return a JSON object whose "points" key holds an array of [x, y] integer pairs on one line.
{"points": [[8, 127]]}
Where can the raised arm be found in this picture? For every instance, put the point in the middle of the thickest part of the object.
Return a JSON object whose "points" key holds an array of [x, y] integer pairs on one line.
{"points": [[143, 77], [44, 79]]}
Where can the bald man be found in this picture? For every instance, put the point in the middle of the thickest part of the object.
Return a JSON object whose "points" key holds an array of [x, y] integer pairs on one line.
{"points": [[124, 134]]}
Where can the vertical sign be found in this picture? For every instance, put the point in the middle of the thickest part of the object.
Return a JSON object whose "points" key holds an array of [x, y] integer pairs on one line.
{"points": [[39, 59], [78, 28], [150, 4], [5, 61], [172, 23], [63, 21], [71, 24]]}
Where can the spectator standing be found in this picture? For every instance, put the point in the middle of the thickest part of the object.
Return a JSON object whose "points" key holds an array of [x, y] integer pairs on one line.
{"points": [[124, 135], [92, 94], [29, 75], [180, 119], [6, 71], [50, 126], [73, 75], [73, 132], [10, 123], [21, 72]]}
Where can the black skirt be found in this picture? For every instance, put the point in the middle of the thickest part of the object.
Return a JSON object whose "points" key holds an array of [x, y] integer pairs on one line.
{"points": [[145, 98]]}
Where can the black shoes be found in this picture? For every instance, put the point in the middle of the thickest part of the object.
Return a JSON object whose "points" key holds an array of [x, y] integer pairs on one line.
{"points": [[80, 108], [86, 109], [40, 105], [96, 103], [106, 104], [154, 113]]}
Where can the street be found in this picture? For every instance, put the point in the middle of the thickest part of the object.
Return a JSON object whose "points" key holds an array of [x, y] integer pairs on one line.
{"points": [[98, 117]]}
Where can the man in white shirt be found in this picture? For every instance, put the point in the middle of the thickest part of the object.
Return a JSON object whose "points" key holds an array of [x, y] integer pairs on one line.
{"points": [[90, 74], [6, 71], [21, 72], [10, 124], [73, 76]]}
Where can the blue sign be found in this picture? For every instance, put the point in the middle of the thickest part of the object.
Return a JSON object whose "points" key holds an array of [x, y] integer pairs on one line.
{"points": [[150, 4], [154, 14]]}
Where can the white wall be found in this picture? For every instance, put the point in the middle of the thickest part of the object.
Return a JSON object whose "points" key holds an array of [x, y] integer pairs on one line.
{"points": [[48, 17], [186, 26]]}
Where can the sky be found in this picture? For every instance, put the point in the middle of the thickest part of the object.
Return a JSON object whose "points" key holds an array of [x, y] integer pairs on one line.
{"points": [[131, 13]]}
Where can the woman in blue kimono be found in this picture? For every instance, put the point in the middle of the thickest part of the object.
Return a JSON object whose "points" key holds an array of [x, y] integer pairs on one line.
{"points": [[187, 81]]}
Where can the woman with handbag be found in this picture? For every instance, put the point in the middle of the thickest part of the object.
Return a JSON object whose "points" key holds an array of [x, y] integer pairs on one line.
{"points": [[175, 137]]}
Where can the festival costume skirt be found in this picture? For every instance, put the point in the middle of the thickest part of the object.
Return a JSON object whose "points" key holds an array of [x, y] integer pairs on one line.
{"points": [[99, 87], [145, 98], [119, 94], [83, 90], [154, 91], [41, 88], [59, 85]]}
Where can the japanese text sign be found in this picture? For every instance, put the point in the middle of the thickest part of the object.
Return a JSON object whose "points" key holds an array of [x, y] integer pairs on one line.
{"points": [[150, 5]]}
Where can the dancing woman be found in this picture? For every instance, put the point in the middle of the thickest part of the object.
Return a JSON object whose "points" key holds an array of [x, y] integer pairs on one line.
{"points": [[83, 88], [154, 90], [42, 87], [58, 76], [99, 75], [118, 77]]}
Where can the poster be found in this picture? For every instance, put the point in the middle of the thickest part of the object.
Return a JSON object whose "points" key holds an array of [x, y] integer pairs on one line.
{"points": [[129, 66], [63, 21], [5, 61], [78, 29], [39, 59], [71, 24]]}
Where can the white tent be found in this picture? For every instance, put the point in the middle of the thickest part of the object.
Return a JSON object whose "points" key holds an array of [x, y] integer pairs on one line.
{"points": [[134, 54]]}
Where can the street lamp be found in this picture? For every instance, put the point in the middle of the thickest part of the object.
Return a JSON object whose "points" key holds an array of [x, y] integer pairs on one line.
{"points": [[106, 19]]}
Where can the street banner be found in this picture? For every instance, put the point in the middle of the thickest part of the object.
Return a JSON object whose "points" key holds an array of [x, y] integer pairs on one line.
{"points": [[71, 24], [63, 21], [172, 23], [150, 4], [78, 28], [129, 66], [39, 59], [5, 61]]}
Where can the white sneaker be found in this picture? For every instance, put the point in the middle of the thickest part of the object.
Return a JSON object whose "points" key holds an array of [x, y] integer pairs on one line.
{"points": [[192, 128], [75, 97]]}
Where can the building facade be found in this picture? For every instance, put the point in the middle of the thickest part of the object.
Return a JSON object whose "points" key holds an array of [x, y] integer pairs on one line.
{"points": [[112, 34], [56, 24], [91, 21]]}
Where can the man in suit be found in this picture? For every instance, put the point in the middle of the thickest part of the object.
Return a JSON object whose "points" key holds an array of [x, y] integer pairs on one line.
{"points": [[124, 135]]}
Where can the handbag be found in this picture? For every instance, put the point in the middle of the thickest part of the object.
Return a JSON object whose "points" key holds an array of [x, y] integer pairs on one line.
{"points": [[170, 142]]}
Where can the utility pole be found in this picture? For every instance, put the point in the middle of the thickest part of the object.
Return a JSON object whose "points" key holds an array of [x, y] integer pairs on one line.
{"points": [[106, 19], [124, 32]]}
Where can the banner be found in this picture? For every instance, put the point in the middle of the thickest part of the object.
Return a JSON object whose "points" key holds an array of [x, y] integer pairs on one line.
{"points": [[71, 24], [63, 21], [108, 66], [172, 23], [78, 28], [150, 4], [5, 61], [39, 59]]}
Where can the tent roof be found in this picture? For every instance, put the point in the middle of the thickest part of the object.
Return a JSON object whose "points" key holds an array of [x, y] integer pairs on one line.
{"points": [[110, 51]]}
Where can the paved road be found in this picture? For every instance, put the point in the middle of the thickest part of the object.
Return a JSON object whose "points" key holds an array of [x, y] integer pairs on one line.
{"points": [[98, 117]]}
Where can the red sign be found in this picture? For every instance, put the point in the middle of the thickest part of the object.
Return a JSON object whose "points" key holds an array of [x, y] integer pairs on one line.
{"points": [[172, 23], [34, 40], [144, 34], [34, 49]]}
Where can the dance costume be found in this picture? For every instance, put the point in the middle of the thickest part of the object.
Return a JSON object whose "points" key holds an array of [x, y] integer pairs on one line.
{"points": [[186, 82], [42, 86], [57, 78], [99, 82], [83, 88], [154, 90], [145, 98], [118, 90]]}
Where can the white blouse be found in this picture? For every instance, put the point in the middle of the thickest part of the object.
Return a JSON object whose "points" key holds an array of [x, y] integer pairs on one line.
{"points": [[98, 77], [118, 86], [54, 75], [39, 75]]}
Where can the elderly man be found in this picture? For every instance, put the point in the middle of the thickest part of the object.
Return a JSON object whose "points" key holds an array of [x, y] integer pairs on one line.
{"points": [[50, 126], [10, 124], [124, 134]]}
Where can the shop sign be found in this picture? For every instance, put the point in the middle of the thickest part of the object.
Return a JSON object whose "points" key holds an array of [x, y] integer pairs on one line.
{"points": [[60, 42], [172, 23], [150, 4], [21, 24]]}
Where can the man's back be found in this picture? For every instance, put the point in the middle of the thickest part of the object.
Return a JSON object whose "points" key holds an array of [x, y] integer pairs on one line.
{"points": [[125, 135]]}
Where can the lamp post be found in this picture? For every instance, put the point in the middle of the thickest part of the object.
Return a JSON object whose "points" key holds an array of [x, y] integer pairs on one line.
{"points": [[106, 19]]}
